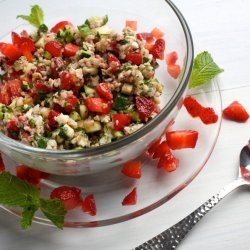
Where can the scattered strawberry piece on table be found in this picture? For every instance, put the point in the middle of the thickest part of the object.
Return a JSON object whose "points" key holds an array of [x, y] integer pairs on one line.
{"points": [[235, 112], [88, 205], [168, 162], [132, 169], [131, 198]]}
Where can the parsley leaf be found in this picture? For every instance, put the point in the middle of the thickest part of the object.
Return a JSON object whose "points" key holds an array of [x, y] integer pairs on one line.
{"points": [[36, 16], [15, 192], [204, 69], [54, 210]]}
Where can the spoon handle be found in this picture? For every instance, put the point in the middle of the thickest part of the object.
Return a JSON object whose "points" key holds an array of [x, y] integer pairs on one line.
{"points": [[171, 238]]}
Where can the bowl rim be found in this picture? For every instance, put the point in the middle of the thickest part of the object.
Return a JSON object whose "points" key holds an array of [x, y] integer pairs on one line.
{"points": [[106, 148]]}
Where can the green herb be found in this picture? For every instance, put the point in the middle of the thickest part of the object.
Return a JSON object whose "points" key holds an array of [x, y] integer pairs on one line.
{"points": [[145, 59], [36, 16], [15, 192], [84, 30], [204, 69], [121, 102], [42, 142], [32, 123], [122, 42], [43, 28], [85, 54]]}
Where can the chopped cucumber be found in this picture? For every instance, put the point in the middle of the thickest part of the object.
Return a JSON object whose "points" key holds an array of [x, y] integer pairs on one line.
{"points": [[121, 102], [118, 134], [85, 53], [104, 30], [75, 116], [91, 126], [95, 21], [83, 111], [89, 91], [84, 30]]}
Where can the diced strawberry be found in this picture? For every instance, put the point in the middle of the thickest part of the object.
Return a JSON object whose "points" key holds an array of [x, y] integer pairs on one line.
{"points": [[54, 48], [144, 106], [132, 169], [12, 128], [131, 24], [70, 196], [2, 46], [152, 149], [41, 86], [61, 25], [30, 43], [168, 162], [24, 48], [149, 46], [14, 87], [11, 52], [208, 116], [5, 96], [88, 205], [25, 34], [172, 57], [113, 62], [16, 39], [120, 121], [98, 105], [193, 107], [67, 80], [131, 198], [30, 175], [157, 33], [72, 101], [174, 70], [104, 91], [2, 166], [70, 49], [57, 64], [158, 49], [162, 149], [182, 139], [235, 112], [51, 118], [145, 36], [134, 58]]}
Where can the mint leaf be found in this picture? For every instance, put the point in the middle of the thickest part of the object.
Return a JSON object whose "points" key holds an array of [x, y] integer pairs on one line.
{"points": [[204, 69], [27, 216], [16, 192], [53, 210], [36, 16]]}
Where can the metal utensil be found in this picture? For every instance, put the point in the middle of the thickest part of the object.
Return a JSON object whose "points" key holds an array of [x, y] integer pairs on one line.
{"points": [[172, 237]]}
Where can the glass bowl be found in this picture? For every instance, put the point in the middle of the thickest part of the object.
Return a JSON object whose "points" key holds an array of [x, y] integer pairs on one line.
{"points": [[161, 14]]}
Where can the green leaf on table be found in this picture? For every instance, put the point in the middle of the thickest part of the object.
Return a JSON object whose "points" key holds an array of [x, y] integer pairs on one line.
{"points": [[53, 210], [27, 216], [204, 69], [35, 17]]}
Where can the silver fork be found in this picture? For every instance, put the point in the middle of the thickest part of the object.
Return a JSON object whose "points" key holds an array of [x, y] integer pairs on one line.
{"points": [[172, 237]]}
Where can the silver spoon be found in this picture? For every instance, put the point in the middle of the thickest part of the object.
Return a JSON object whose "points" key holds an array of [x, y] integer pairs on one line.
{"points": [[172, 237]]}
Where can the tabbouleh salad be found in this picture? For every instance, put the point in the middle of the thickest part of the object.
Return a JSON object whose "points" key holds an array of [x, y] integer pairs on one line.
{"points": [[78, 87]]}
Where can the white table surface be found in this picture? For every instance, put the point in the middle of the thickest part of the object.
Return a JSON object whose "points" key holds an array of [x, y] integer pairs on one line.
{"points": [[223, 28]]}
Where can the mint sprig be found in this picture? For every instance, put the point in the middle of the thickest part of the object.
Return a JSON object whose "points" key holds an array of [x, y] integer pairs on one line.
{"points": [[15, 192], [35, 17], [204, 69]]}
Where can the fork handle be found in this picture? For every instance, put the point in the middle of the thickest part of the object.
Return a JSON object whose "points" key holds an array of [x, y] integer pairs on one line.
{"points": [[171, 238]]}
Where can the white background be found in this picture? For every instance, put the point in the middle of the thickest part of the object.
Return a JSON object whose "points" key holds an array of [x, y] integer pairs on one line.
{"points": [[223, 28]]}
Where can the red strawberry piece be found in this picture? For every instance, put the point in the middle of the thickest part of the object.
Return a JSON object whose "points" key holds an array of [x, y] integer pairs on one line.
{"points": [[25, 49], [104, 91], [174, 70], [5, 96], [182, 139], [61, 25], [235, 112], [158, 49], [113, 62], [88, 205], [13, 129], [131, 198], [68, 80], [30, 175], [51, 118], [10, 51], [208, 116], [71, 101], [41, 86], [134, 58], [16, 39], [131, 24], [152, 149], [168, 162], [70, 49], [2, 166], [132, 169], [144, 106], [120, 121], [54, 48], [157, 33], [70, 196], [98, 105], [162, 149], [14, 87], [172, 57], [193, 107]]}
